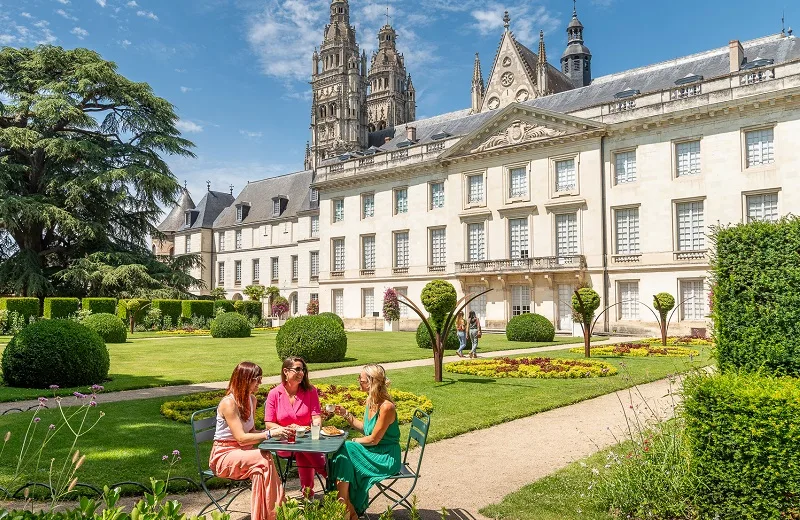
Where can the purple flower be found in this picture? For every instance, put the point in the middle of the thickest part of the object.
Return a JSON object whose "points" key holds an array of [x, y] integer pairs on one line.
{"points": [[97, 388], [54, 387], [51, 427], [42, 399], [93, 403], [79, 395], [176, 453], [165, 457], [37, 419]]}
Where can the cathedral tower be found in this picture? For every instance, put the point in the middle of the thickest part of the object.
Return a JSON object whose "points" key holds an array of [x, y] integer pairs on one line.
{"points": [[478, 87], [576, 62], [391, 100], [338, 84]]}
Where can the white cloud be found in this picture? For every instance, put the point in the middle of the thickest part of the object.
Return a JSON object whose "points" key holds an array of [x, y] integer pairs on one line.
{"points": [[101, 3], [189, 127], [80, 33], [65, 2], [125, 43], [526, 21], [251, 135], [132, 3], [7, 39], [66, 15], [147, 14], [602, 3], [180, 71], [25, 15], [186, 89]]}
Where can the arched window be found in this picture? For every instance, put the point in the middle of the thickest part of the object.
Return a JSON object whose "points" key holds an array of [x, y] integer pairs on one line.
{"points": [[322, 112]]}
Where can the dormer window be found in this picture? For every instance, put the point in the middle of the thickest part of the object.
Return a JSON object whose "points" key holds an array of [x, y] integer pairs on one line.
{"points": [[242, 209], [279, 204], [758, 62], [239, 214], [440, 135], [689, 78], [189, 217], [628, 92]]}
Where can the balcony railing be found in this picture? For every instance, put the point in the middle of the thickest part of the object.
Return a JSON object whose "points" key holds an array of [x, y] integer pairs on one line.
{"points": [[367, 272], [400, 270], [690, 256], [547, 263], [436, 268]]}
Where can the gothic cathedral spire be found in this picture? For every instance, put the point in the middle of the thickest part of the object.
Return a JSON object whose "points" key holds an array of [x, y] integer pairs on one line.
{"points": [[478, 88], [391, 99], [541, 68], [576, 62]]}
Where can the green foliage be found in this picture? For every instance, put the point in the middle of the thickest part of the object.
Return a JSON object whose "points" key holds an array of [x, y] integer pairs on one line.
{"points": [[330, 508], [169, 308], [334, 316], [255, 292], [424, 339], [439, 298], [530, 327], [217, 293], [312, 309], [663, 302], [225, 305], [25, 307], [272, 292], [55, 352], [742, 430], [249, 309], [230, 325], [584, 313], [59, 308], [100, 138], [97, 305], [108, 326], [756, 307], [317, 339], [134, 306], [197, 308]]}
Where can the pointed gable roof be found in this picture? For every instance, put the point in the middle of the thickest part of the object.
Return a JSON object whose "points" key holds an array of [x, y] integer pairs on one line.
{"points": [[176, 217], [209, 209]]}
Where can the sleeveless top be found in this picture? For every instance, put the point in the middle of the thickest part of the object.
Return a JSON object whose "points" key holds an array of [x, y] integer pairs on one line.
{"points": [[223, 431]]}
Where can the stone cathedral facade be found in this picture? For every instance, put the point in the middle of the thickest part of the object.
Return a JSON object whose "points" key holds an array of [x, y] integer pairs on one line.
{"points": [[548, 179]]}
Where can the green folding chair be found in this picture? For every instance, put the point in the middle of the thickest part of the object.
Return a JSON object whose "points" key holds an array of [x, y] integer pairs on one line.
{"points": [[420, 423], [203, 429]]}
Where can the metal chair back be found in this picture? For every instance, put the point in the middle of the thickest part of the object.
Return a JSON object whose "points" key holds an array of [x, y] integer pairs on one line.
{"points": [[420, 424], [203, 431]]}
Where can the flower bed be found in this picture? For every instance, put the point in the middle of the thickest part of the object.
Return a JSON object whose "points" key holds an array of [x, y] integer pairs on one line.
{"points": [[350, 397], [541, 368], [184, 332], [680, 340], [639, 350]]}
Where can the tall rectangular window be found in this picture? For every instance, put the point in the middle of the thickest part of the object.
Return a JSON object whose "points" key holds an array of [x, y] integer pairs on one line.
{"points": [[518, 183], [338, 302], [476, 242], [338, 210], [518, 237], [368, 205], [314, 261], [478, 304], [566, 234], [295, 267], [401, 201], [762, 207], [693, 298], [238, 237], [401, 249], [237, 272], [221, 273], [687, 158], [256, 270], [239, 213], [691, 233], [338, 254], [625, 167], [437, 195], [627, 221], [221, 244], [403, 308], [475, 189], [188, 244], [368, 252], [438, 246], [760, 147], [274, 268], [315, 225], [276, 207], [368, 302], [629, 300], [520, 300], [566, 179]]}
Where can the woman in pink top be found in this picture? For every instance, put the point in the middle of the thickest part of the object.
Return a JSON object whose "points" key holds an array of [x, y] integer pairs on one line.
{"points": [[293, 403]]}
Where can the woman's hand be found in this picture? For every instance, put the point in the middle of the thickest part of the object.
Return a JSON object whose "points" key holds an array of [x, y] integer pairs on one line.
{"points": [[340, 410], [278, 432]]}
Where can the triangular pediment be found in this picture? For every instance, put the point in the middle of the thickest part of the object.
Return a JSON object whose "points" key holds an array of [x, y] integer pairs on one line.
{"points": [[519, 124], [511, 80]]}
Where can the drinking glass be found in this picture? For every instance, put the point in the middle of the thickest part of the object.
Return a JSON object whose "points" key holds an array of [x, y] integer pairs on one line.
{"points": [[315, 429], [290, 435], [330, 408]]}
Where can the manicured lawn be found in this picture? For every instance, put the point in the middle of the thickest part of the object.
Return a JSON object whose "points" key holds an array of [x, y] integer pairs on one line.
{"points": [[133, 436], [145, 362]]}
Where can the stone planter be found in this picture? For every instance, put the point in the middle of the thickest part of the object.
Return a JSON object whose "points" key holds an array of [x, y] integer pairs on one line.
{"points": [[391, 326]]}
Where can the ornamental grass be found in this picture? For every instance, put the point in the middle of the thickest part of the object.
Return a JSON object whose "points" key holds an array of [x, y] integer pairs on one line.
{"points": [[639, 350], [539, 368]]}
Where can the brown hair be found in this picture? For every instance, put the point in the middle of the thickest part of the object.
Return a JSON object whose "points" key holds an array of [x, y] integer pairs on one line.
{"points": [[239, 386], [305, 384]]}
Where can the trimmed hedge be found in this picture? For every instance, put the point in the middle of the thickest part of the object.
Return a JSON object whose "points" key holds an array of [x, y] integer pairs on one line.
{"points": [[756, 297], [530, 327], [333, 316], [59, 308], [55, 352], [140, 314], [230, 325], [226, 305], [248, 308], [743, 434], [100, 305], [26, 307], [199, 308], [108, 326], [317, 339], [171, 308], [424, 339]]}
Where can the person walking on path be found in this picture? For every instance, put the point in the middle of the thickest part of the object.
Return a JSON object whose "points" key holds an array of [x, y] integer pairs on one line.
{"points": [[474, 333], [461, 332], [363, 462]]}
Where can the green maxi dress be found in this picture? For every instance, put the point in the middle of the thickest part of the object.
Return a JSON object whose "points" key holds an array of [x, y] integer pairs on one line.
{"points": [[364, 466]]}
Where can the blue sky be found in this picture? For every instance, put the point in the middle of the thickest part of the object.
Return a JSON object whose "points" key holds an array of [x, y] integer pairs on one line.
{"points": [[237, 71]]}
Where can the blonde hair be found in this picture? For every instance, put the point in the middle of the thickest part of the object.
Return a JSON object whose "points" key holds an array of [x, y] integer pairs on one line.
{"points": [[378, 385]]}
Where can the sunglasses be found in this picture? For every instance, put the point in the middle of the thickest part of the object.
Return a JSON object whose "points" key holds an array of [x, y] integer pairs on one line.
{"points": [[362, 381], [296, 369]]}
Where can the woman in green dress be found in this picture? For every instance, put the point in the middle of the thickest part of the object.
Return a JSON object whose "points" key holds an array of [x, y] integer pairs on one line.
{"points": [[361, 463]]}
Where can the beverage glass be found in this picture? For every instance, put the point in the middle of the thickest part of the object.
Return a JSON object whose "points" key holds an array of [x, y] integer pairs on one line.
{"points": [[315, 428], [290, 435], [330, 408]]}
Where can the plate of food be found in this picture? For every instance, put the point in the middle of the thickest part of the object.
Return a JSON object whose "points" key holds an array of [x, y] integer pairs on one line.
{"points": [[331, 431]]}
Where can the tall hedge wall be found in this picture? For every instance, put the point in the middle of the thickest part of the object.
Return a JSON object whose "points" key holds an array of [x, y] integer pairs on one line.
{"points": [[58, 308], [756, 302], [199, 308], [100, 305], [249, 308], [171, 308], [226, 305], [26, 307]]}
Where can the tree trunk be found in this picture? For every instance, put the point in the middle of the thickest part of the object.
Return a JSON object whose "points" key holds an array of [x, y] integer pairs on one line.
{"points": [[663, 332], [132, 321], [438, 355], [587, 341]]}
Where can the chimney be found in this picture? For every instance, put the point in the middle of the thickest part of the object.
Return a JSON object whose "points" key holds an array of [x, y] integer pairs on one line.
{"points": [[411, 133], [737, 55]]}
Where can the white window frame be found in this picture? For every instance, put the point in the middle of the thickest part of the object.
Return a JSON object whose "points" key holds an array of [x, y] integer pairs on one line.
{"points": [[188, 244], [769, 206], [313, 260], [478, 198], [337, 257], [521, 191], [472, 254], [519, 239], [437, 240], [403, 308], [220, 273], [367, 302], [276, 207], [399, 202], [627, 236], [221, 241], [337, 301], [478, 304], [239, 213], [237, 272], [561, 187], [401, 248], [274, 268], [368, 252], [572, 247], [314, 225], [436, 191], [295, 267], [695, 239], [764, 155], [338, 210], [237, 237], [692, 309], [256, 269], [625, 166], [367, 205], [628, 306], [520, 300], [688, 157]]}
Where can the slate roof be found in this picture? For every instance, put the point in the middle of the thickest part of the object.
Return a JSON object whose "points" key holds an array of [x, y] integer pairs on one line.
{"points": [[175, 219], [293, 186], [557, 81], [209, 208]]}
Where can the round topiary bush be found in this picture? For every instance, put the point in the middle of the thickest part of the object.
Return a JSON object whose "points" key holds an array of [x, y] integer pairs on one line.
{"points": [[530, 327], [110, 327], [230, 325], [439, 298], [424, 339], [336, 317], [317, 339], [55, 352]]}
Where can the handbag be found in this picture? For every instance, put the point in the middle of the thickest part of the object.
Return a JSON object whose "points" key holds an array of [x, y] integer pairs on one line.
{"points": [[479, 335]]}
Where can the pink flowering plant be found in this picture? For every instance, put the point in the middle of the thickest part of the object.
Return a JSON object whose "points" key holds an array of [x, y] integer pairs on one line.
{"points": [[391, 305], [280, 307], [312, 309]]}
